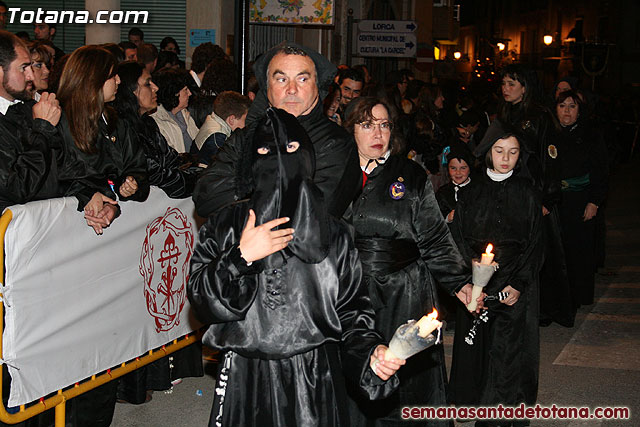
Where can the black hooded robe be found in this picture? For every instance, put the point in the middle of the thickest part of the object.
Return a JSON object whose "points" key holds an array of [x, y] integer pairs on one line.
{"points": [[337, 172], [405, 247], [294, 326], [501, 367]]}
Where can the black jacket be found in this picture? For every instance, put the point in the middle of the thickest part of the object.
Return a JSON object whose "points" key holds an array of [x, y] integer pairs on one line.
{"points": [[118, 155], [30, 148]]}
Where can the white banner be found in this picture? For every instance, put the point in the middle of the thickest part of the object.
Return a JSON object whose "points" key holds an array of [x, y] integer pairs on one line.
{"points": [[77, 304]]}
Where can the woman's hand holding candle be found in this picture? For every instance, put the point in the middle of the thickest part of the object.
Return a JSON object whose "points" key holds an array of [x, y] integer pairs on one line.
{"points": [[513, 297], [384, 369], [485, 262], [465, 293]]}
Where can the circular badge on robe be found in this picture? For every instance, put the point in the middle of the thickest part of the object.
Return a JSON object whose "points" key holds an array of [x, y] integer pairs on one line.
{"points": [[553, 151], [396, 190]]}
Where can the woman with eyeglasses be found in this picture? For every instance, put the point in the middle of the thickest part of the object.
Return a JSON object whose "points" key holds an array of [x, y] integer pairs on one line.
{"points": [[405, 247]]}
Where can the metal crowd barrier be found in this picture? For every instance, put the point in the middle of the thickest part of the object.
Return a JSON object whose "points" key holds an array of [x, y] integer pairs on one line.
{"points": [[58, 401]]}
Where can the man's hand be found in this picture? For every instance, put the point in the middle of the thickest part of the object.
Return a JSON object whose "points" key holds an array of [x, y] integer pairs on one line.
{"points": [[48, 108], [384, 369], [259, 242], [465, 295], [513, 297], [129, 187], [589, 212]]}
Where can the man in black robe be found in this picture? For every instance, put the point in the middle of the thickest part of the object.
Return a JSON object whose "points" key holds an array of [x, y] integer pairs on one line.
{"points": [[287, 308], [28, 143], [299, 91]]}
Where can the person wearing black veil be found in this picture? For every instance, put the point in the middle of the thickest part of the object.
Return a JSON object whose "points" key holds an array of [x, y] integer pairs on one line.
{"points": [[500, 364], [296, 79], [460, 163], [286, 307]]}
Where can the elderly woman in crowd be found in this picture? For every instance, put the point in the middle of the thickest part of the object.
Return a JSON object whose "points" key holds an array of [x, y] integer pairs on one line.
{"points": [[135, 100], [405, 248], [103, 161], [584, 189], [173, 119]]}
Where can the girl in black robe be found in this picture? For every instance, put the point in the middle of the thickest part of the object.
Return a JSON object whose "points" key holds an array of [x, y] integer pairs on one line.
{"points": [[406, 248], [294, 321], [501, 366]]}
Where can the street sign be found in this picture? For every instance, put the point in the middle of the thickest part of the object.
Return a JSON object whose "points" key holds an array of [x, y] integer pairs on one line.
{"points": [[386, 44], [387, 26]]}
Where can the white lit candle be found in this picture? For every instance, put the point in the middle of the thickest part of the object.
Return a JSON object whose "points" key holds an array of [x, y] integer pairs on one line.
{"points": [[487, 256], [428, 323]]}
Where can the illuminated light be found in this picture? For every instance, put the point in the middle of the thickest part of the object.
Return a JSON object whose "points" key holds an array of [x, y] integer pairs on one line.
{"points": [[478, 74], [436, 53], [457, 55], [500, 46], [548, 39]]}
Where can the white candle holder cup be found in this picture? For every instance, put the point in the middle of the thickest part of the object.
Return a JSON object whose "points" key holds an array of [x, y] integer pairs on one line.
{"points": [[480, 276], [406, 342]]}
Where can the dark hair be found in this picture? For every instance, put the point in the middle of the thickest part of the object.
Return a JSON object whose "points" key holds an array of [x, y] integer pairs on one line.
{"points": [[200, 106], [56, 72], [350, 73], [253, 85], [526, 78], [230, 103], [115, 50], [361, 68], [23, 35], [126, 103], [220, 76], [170, 81], [39, 49], [8, 44], [361, 110], [426, 99], [488, 161], [204, 54], [80, 92], [3, 4], [135, 31], [166, 57], [413, 88], [147, 53], [165, 41], [575, 95], [334, 89], [127, 45]]}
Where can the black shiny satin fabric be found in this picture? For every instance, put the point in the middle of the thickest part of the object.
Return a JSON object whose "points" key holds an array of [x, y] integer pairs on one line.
{"points": [[398, 221], [502, 365]]}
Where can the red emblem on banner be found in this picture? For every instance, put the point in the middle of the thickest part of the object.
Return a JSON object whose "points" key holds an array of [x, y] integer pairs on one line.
{"points": [[164, 265]]}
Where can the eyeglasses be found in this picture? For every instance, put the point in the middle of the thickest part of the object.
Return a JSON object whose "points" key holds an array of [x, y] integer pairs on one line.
{"points": [[369, 127]]}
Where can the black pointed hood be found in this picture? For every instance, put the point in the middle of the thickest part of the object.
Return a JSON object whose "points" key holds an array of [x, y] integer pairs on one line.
{"points": [[283, 185]]}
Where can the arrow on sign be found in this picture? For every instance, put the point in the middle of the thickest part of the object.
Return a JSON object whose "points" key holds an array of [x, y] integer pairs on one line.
{"points": [[409, 45], [411, 26]]}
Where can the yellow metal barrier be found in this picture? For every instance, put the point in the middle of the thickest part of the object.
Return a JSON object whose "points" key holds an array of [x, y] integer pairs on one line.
{"points": [[59, 400]]}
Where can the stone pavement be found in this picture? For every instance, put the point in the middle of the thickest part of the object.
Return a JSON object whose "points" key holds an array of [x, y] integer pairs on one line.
{"points": [[594, 364]]}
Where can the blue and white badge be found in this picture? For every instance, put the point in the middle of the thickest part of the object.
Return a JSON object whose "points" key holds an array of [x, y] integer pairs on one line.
{"points": [[397, 189]]}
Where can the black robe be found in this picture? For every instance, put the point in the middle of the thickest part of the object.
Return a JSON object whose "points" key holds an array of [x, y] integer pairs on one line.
{"points": [[30, 151], [585, 175], [406, 248], [289, 332], [501, 367], [118, 155]]}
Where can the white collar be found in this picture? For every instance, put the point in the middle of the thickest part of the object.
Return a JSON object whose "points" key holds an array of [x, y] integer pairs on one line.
{"points": [[196, 78], [5, 104], [498, 177], [378, 161], [463, 184]]}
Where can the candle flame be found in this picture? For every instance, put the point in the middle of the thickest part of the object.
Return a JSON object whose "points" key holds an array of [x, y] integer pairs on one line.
{"points": [[489, 249], [433, 315]]}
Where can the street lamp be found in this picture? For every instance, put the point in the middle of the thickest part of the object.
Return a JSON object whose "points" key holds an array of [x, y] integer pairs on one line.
{"points": [[548, 39], [457, 55], [500, 46]]}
